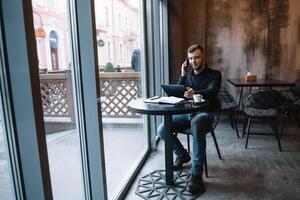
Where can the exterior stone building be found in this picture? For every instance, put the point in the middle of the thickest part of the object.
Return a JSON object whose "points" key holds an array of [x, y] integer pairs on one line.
{"points": [[116, 26]]}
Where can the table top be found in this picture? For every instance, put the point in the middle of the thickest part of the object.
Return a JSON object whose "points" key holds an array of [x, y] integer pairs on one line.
{"points": [[259, 83], [139, 106]]}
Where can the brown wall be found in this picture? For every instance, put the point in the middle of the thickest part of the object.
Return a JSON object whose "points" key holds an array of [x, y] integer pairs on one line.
{"points": [[260, 36], [176, 37], [185, 29]]}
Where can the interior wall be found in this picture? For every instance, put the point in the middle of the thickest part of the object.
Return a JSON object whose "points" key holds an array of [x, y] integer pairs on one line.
{"points": [[186, 27], [176, 37], [240, 36]]}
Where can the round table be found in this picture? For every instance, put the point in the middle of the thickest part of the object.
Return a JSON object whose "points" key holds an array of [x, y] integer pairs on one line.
{"points": [[166, 110]]}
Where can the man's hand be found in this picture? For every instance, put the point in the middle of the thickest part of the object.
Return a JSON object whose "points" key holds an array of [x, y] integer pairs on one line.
{"points": [[184, 68], [189, 92]]}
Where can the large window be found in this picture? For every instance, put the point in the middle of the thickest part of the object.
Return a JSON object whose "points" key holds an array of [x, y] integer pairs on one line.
{"points": [[69, 133], [58, 101], [119, 70], [120, 82], [6, 181]]}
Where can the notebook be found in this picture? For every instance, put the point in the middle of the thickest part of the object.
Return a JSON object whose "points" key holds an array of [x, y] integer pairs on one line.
{"points": [[174, 90]]}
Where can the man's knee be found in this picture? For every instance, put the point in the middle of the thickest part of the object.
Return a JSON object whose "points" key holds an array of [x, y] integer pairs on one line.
{"points": [[201, 122]]}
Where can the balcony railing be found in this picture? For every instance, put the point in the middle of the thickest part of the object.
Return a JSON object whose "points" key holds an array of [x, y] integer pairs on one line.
{"points": [[57, 96], [117, 89]]}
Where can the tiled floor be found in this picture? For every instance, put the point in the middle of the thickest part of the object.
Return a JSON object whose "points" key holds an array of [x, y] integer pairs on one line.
{"points": [[259, 172]]}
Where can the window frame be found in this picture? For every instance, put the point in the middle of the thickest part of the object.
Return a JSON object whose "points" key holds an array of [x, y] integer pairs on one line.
{"points": [[27, 135]]}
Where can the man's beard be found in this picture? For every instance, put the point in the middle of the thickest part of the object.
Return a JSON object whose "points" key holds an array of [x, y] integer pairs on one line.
{"points": [[198, 66]]}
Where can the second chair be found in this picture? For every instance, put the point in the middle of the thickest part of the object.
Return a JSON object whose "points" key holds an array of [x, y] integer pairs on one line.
{"points": [[229, 105], [266, 105]]}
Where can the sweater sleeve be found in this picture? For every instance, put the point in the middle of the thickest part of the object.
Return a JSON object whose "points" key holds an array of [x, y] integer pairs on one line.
{"points": [[181, 80], [213, 87]]}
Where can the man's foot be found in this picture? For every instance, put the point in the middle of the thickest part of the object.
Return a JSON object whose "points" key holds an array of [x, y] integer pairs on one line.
{"points": [[195, 185], [179, 161]]}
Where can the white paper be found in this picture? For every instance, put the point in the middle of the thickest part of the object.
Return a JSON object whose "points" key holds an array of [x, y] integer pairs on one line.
{"points": [[167, 100]]}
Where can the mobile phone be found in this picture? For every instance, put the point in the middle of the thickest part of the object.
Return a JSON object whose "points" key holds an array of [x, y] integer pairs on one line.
{"points": [[188, 66]]}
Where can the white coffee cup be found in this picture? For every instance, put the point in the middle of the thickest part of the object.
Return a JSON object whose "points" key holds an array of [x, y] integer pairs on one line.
{"points": [[197, 98]]}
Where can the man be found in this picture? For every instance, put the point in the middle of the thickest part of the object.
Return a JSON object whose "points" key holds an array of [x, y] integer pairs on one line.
{"points": [[136, 66], [136, 60], [198, 79]]}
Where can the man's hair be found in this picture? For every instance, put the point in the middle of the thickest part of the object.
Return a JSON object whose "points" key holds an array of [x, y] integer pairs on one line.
{"points": [[194, 47]]}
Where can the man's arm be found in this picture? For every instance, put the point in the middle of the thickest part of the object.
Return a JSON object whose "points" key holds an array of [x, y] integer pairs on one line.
{"points": [[184, 72], [181, 80], [213, 87]]}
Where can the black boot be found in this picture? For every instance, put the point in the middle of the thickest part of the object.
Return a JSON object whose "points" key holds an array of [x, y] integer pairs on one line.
{"points": [[196, 185], [179, 161]]}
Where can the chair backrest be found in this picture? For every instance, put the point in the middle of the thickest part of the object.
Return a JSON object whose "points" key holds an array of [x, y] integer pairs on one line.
{"points": [[215, 116], [296, 88], [225, 96], [227, 100], [264, 99]]}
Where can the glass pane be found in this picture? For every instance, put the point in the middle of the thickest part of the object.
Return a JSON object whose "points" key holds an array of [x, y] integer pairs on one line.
{"points": [[119, 45], [51, 23], [6, 181], [6, 189]]}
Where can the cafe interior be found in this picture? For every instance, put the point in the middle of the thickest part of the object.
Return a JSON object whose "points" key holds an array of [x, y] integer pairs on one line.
{"points": [[78, 132]]}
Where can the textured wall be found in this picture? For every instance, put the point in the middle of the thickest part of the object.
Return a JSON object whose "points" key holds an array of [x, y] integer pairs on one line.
{"points": [[260, 36], [176, 37]]}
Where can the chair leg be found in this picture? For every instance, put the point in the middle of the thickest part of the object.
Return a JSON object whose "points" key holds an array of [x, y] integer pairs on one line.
{"points": [[244, 125], [231, 119], [272, 124], [297, 119], [248, 131], [205, 165], [235, 125], [284, 122], [188, 143], [216, 143], [277, 135]]}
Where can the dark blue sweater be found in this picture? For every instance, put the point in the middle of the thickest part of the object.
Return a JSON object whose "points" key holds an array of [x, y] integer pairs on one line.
{"points": [[207, 83]]}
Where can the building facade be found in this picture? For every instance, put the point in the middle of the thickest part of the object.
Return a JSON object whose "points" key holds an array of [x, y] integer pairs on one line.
{"points": [[117, 32]]}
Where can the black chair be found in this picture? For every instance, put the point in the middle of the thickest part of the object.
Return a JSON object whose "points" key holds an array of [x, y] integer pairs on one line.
{"points": [[266, 105], [215, 116], [293, 103], [229, 105]]}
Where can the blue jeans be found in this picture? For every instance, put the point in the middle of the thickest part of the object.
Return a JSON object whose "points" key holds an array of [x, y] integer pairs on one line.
{"points": [[200, 124]]}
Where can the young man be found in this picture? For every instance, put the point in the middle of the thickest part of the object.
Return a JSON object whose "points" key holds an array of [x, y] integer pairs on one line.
{"points": [[198, 79]]}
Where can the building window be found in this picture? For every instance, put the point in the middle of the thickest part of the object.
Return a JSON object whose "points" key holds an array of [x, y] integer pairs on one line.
{"points": [[54, 50], [121, 52], [119, 21], [131, 25], [108, 50], [51, 3], [126, 24], [106, 16]]}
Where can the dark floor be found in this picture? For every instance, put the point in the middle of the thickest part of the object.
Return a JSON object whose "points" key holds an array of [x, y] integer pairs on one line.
{"points": [[259, 172]]}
